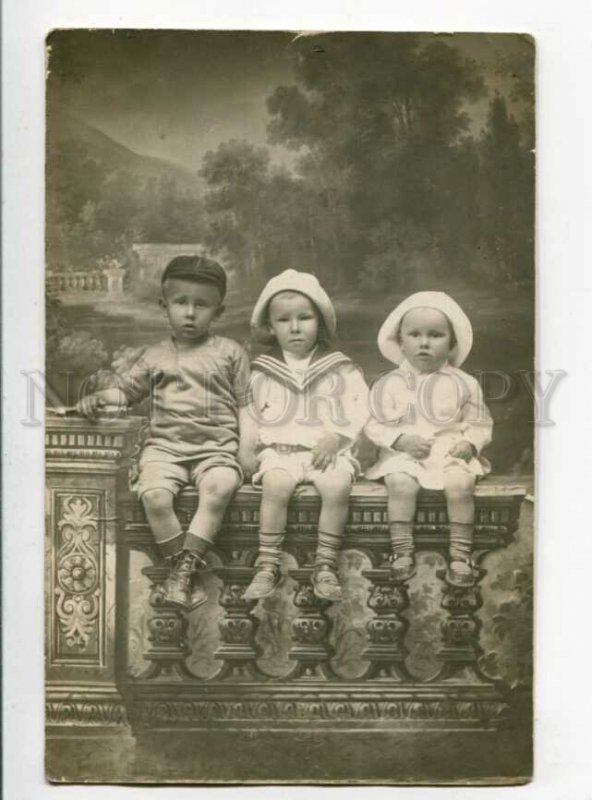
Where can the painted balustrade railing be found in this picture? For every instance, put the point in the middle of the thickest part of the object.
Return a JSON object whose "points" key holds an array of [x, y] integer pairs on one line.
{"points": [[75, 281], [94, 526]]}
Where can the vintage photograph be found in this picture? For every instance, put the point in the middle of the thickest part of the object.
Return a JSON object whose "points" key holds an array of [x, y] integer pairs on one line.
{"points": [[289, 434]]}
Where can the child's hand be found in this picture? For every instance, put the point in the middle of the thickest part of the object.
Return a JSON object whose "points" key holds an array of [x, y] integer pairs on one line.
{"points": [[324, 453], [416, 446], [462, 449], [91, 405]]}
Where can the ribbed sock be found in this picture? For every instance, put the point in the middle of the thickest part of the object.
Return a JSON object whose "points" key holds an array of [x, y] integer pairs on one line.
{"points": [[402, 538], [328, 547], [461, 541], [170, 547], [195, 544], [270, 548]]}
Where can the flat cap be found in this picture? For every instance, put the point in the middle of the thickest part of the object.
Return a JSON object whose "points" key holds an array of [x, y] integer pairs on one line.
{"points": [[196, 268]]}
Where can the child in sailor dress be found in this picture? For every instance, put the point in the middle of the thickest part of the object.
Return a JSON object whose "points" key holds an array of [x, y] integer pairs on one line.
{"points": [[309, 404]]}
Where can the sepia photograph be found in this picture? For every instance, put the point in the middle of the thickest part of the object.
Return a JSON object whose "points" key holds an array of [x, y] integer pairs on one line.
{"points": [[290, 407]]}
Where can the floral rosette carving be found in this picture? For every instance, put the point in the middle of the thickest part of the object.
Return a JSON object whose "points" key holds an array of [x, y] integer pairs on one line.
{"points": [[77, 572]]}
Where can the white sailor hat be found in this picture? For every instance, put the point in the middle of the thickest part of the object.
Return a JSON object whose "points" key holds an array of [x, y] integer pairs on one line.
{"points": [[292, 281], [463, 330]]}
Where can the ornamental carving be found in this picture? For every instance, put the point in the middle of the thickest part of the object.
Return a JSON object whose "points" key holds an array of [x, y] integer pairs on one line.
{"points": [[310, 630], [304, 597], [77, 616], [163, 712], [460, 631], [386, 630], [77, 575], [231, 596], [236, 630], [166, 630], [84, 713], [167, 626], [386, 597], [462, 601]]}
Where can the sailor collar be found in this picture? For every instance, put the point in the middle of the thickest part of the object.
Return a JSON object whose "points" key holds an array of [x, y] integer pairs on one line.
{"points": [[322, 362]]}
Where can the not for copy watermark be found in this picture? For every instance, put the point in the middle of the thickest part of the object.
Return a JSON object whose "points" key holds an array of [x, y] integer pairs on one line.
{"points": [[395, 397]]}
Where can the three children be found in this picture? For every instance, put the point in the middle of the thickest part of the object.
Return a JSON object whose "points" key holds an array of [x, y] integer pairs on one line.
{"points": [[297, 420]]}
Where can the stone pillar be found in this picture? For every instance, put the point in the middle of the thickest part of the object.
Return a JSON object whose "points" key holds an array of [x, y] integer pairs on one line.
{"points": [[238, 650], [386, 649], [311, 628], [460, 631], [168, 628], [114, 280], [86, 573]]}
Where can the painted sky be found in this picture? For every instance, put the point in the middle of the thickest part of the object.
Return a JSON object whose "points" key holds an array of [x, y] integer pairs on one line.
{"points": [[178, 94]]}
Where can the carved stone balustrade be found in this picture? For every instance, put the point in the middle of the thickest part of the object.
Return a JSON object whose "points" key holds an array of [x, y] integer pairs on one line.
{"points": [[86, 570], [94, 524], [64, 282]]}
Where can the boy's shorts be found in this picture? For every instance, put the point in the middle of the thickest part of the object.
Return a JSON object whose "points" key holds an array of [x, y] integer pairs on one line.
{"points": [[299, 466], [174, 475]]}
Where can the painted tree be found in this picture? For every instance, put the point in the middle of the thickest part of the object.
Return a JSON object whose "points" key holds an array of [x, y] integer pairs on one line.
{"points": [[378, 123], [507, 194], [94, 211], [260, 217], [169, 213], [235, 175]]}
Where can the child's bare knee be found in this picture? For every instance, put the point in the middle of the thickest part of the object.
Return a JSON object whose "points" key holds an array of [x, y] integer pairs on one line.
{"points": [[335, 487], [458, 484], [278, 483], [157, 501], [219, 484], [401, 485]]}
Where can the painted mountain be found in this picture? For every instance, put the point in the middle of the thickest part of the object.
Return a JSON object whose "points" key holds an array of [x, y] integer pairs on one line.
{"points": [[64, 129]]}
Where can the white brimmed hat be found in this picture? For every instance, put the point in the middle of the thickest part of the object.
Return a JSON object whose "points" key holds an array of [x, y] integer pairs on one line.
{"points": [[292, 281], [463, 330]]}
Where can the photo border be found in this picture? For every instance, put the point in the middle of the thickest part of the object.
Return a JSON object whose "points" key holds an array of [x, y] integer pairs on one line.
{"points": [[563, 702]]}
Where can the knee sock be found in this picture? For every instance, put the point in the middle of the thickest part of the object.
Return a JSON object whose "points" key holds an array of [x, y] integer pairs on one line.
{"points": [[170, 547], [195, 544], [328, 547], [461, 540], [270, 548], [402, 538]]}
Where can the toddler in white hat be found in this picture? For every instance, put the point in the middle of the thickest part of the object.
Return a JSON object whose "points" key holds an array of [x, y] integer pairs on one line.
{"points": [[310, 404], [429, 420]]}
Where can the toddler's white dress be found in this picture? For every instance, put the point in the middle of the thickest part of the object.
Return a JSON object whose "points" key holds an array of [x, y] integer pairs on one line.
{"points": [[445, 407]]}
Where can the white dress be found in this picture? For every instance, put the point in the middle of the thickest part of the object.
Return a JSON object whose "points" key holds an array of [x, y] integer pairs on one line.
{"points": [[445, 407]]}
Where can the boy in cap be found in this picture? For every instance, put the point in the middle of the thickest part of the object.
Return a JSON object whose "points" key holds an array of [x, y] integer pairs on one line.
{"points": [[310, 404], [198, 387], [429, 419]]}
